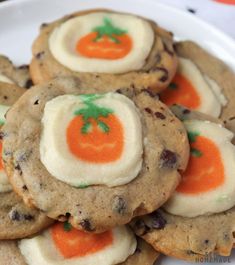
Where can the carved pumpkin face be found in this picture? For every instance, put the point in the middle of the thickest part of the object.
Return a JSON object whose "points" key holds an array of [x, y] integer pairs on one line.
{"points": [[100, 141]]}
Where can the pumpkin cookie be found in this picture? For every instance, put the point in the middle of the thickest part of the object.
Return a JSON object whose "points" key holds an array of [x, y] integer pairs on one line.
{"points": [[198, 220], [14, 75], [16, 219], [103, 47], [202, 83], [61, 243], [133, 139]]}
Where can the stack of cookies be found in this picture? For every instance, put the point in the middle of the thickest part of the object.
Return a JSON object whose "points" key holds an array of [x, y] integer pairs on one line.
{"points": [[119, 151]]}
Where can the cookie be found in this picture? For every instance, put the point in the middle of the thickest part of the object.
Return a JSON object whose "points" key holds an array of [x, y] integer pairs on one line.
{"points": [[203, 83], [17, 220], [198, 220], [14, 75], [105, 49], [10, 254], [149, 160]]}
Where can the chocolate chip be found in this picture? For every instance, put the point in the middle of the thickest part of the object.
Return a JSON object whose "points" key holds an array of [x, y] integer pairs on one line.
{"points": [[119, 205], [28, 217], [166, 48], [140, 227], [17, 167], [86, 225], [23, 66], [186, 111], [148, 110], [232, 118], [43, 25], [159, 115], [158, 222], [149, 92], [24, 187], [206, 241], [36, 102], [39, 55], [2, 135], [28, 83], [14, 215], [168, 159], [164, 76], [5, 97], [119, 91]]}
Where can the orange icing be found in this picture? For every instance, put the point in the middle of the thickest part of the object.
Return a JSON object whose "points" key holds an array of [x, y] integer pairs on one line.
{"points": [[182, 92], [96, 145], [105, 48], [75, 243], [205, 170]]}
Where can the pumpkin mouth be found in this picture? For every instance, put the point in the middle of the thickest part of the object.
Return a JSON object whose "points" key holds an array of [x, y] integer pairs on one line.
{"points": [[98, 147]]}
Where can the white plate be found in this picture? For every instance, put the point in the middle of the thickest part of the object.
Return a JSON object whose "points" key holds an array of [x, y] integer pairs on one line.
{"points": [[20, 20]]}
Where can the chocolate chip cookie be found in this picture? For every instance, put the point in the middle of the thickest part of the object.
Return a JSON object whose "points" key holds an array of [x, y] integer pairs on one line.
{"points": [[93, 208], [155, 71]]}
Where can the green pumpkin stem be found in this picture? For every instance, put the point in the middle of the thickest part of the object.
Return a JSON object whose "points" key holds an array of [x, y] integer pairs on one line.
{"points": [[93, 111], [108, 29]]}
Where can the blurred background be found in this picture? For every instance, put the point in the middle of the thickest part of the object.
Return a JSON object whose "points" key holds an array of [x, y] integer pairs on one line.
{"points": [[220, 13]]}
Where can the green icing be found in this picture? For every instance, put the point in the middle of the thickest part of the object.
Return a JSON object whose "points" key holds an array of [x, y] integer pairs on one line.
{"points": [[3, 110], [108, 29], [67, 226], [222, 198], [173, 86], [83, 186], [195, 152], [192, 136], [93, 111]]}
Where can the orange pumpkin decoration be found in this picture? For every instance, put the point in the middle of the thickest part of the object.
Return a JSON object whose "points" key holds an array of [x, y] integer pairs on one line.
{"points": [[74, 243], [105, 42], [182, 92], [205, 170], [95, 134]]}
